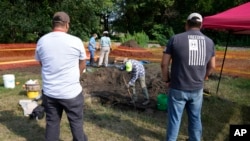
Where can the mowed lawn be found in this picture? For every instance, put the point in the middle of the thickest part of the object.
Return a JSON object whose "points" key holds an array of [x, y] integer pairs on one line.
{"points": [[109, 123]]}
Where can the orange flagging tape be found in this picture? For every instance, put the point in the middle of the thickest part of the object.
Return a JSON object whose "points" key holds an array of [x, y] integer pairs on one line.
{"points": [[20, 61]]}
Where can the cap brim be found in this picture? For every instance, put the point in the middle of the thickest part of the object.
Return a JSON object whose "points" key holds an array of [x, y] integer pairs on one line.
{"points": [[128, 69]]}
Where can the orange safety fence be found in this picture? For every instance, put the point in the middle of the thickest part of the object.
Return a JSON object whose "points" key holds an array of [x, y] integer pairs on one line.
{"points": [[237, 62]]}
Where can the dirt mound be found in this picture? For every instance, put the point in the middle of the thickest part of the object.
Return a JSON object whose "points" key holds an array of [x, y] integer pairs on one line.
{"points": [[130, 43], [108, 84], [131, 49]]}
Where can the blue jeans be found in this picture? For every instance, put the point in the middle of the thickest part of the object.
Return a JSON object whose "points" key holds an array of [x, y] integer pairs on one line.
{"points": [[179, 100], [92, 53]]}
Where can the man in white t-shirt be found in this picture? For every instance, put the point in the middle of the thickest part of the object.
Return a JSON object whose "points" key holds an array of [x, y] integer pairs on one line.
{"points": [[62, 58]]}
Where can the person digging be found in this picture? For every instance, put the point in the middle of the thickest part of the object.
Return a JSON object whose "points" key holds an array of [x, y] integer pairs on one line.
{"points": [[137, 71]]}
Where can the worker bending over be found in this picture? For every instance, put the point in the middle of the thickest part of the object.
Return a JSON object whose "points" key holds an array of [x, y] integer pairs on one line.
{"points": [[137, 73]]}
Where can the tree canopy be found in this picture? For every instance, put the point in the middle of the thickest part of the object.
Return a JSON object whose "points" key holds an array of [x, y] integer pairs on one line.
{"points": [[28, 20]]}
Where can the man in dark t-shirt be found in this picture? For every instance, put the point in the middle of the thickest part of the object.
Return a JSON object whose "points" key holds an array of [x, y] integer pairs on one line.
{"points": [[193, 58]]}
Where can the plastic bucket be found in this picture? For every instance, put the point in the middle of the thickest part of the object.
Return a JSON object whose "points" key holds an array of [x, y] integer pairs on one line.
{"points": [[32, 90], [9, 80], [162, 102], [32, 94]]}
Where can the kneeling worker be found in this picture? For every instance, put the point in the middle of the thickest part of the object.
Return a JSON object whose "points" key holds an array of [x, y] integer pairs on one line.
{"points": [[137, 72]]}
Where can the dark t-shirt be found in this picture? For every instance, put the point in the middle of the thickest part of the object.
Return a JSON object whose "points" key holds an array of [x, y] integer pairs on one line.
{"points": [[190, 52]]}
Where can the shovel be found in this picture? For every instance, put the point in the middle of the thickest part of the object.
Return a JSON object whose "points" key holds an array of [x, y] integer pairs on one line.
{"points": [[128, 91]]}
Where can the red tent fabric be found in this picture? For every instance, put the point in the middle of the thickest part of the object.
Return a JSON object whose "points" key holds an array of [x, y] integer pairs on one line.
{"points": [[236, 20]]}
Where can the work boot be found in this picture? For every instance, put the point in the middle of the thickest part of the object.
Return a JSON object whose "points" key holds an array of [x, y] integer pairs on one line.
{"points": [[145, 93], [134, 98], [146, 102]]}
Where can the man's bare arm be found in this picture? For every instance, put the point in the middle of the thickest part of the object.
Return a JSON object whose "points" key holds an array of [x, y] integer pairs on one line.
{"points": [[210, 67], [82, 65], [165, 62]]}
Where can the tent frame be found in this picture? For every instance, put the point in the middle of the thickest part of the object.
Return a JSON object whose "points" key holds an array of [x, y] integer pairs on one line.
{"points": [[228, 21], [223, 62]]}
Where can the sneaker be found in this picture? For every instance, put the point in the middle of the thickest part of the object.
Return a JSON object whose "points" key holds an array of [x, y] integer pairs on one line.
{"points": [[146, 102]]}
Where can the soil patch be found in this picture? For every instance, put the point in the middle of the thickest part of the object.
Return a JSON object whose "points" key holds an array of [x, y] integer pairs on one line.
{"points": [[107, 85], [131, 49]]}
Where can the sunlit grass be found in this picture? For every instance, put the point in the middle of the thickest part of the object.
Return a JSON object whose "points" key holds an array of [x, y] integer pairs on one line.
{"points": [[108, 123]]}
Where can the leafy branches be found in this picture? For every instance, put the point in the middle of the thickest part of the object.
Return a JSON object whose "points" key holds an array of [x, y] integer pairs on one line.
{"points": [[27, 20]]}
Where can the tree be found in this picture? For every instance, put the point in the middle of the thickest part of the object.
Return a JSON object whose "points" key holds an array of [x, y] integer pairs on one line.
{"points": [[28, 20]]}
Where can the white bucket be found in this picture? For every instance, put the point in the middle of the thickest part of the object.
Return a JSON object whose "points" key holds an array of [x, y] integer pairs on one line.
{"points": [[9, 80]]}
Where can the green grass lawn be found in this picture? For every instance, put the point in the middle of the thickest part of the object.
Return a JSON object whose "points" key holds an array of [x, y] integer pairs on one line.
{"points": [[108, 123]]}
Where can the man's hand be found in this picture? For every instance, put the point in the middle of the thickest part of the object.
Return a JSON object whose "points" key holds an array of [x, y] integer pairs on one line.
{"points": [[206, 78], [129, 85], [166, 83]]}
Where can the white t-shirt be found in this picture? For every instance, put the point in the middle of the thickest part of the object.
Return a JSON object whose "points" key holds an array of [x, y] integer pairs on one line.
{"points": [[59, 54]]}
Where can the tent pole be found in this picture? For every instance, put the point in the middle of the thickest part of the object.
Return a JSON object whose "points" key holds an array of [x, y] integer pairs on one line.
{"points": [[228, 35]]}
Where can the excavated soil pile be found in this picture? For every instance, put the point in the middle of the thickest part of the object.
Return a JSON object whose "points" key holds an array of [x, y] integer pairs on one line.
{"points": [[107, 85], [131, 43], [132, 50]]}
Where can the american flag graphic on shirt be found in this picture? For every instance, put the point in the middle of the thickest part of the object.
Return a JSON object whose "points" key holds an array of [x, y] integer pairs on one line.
{"points": [[197, 50]]}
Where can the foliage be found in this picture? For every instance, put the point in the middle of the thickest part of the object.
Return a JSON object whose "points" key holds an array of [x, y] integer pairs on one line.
{"points": [[162, 40], [161, 33], [219, 48], [141, 38], [27, 20], [126, 37], [136, 16]]}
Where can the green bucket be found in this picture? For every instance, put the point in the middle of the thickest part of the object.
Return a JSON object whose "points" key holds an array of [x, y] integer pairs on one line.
{"points": [[162, 102]]}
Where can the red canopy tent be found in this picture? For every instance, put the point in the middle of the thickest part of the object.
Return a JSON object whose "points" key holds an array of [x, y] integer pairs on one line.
{"points": [[235, 21]]}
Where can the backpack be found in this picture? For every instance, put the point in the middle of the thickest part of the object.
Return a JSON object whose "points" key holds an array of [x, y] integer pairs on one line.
{"points": [[37, 113]]}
